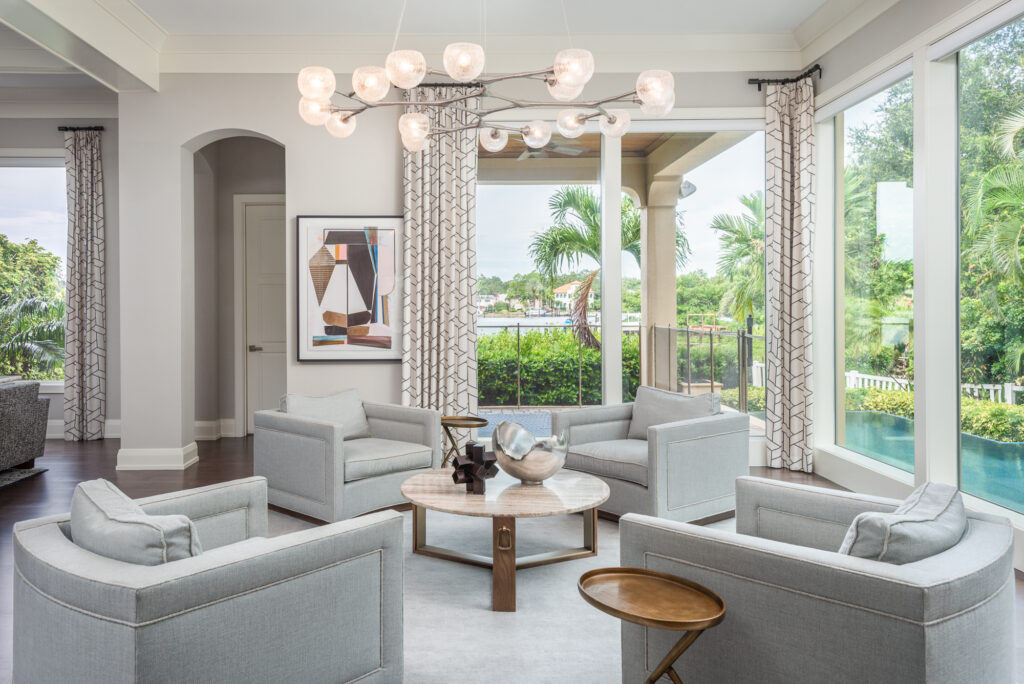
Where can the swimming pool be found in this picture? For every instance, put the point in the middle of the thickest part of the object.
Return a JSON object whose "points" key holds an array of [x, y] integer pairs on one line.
{"points": [[990, 470]]}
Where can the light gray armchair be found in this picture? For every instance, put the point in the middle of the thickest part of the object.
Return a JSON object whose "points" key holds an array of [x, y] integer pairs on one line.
{"points": [[320, 605], [313, 469], [684, 470], [798, 611]]}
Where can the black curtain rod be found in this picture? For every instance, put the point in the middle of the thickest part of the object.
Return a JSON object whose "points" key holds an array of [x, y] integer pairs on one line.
{"points": [[762, 81], [79, 128]]}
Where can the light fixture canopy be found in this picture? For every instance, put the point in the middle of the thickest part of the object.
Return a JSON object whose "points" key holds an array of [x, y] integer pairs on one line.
{"points": [[463, 61]]}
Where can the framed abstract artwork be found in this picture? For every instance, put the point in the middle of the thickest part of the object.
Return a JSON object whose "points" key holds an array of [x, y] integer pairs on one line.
{"points": [[349, 288]]}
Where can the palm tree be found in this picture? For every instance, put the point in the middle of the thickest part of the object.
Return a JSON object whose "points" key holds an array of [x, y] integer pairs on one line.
{"points": [[31, 334], [742, 260], [576, 233]]}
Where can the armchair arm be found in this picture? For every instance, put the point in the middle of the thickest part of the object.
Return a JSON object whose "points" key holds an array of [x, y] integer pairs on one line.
{"points": [[800, 514], [593, 424], [406, 424], [223, 513], [694, 463]]}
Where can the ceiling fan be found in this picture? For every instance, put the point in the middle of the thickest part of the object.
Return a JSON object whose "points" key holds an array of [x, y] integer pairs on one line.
{"points": [[557, 148]]}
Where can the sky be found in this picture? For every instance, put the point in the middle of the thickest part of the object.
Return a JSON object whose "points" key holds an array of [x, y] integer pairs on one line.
{"points": [[33, 204], [509, 215]]}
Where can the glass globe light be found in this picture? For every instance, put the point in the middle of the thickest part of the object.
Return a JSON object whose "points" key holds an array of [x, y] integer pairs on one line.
{"points": [[414, 126], [659, 109], [314, 112], [564, 93], [537, 134], [655, 86], [571, 122], [406, 68], [316, 83], [341, 124], [371, 83], [574, 67], [493, 139], [618, 127], [463, 61], [415, 144]]}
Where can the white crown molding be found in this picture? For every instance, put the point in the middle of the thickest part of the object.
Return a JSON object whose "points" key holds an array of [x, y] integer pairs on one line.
{"points": [[615, 53], [175, 458], [834, 22]]}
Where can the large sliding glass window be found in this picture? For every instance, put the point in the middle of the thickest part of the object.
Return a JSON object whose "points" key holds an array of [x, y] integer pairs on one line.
{"points": [[991, 116], [875, 277]]}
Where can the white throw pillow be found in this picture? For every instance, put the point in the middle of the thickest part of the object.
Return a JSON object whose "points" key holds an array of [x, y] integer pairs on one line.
{"points": [[345, 408], [105, 521], [655, 406], [931, 520]]}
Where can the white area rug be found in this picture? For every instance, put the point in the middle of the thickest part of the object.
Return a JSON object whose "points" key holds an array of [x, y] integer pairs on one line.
{"points": [[453, 637]]}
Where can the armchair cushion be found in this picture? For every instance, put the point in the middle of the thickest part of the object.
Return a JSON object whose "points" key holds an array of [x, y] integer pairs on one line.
{"points": [[619, 459], [108, 523], [344, 408], [371, 457], [655, 406], [930, 521]]}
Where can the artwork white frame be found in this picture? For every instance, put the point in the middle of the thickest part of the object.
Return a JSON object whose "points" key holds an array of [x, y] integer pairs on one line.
{"points": [[336, 291]]}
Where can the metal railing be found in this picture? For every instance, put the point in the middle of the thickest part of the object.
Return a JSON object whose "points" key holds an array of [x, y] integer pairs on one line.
{"points": [[520, 329], [677, 369]]}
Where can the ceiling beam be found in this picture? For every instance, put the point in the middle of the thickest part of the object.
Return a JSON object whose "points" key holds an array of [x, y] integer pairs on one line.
{"points": [[90, 37]]}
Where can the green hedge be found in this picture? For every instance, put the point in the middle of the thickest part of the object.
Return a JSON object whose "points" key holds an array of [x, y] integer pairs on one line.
{"points": [[550, 369], [755, 398], [988, 419]]}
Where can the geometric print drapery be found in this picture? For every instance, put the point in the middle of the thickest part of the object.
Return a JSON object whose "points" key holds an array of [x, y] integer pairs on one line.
{"points": [[85, 340], [439, 248], [789, 231]]}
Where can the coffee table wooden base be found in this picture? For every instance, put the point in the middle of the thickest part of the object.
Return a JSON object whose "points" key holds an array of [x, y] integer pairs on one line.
{"points": [[503, 561]]}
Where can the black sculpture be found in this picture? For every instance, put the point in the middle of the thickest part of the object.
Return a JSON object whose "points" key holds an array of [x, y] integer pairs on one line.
{"points": [[474, 467]]}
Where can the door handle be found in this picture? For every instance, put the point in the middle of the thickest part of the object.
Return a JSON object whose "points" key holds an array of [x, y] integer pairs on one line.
{"points": [[253, 347]]}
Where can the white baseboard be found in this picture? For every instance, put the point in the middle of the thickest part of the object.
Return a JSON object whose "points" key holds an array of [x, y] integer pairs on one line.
{"points": [[175, 458], [758, 451], [55, 428], [207, 430]]}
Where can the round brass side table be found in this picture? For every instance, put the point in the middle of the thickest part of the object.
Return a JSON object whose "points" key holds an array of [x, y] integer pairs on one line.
{"points": [[463, 422], [655, 599]]}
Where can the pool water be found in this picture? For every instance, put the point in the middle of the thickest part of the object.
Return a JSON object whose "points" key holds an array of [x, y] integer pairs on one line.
{"points": [[990, 470]]}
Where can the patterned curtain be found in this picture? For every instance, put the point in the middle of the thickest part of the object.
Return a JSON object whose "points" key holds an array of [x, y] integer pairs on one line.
{"points": [[789, 229], [85, 346], [439, 328]]}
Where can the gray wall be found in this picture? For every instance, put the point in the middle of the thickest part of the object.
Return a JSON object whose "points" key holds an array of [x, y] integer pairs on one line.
{"points": [[43, 133], [228, 167], [885, 33]]}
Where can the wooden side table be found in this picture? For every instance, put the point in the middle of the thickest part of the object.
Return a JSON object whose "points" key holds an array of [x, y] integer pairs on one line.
{"points": [[464, 422], [655, 599]]}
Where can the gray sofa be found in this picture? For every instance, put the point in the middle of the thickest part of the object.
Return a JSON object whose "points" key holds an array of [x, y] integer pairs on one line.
{"points": [[313, 469], [797, 611], [23, 415], [320, 605], [684, 470]]}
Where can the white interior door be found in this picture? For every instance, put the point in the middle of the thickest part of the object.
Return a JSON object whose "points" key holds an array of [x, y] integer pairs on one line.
{"points": [[264, 307]]}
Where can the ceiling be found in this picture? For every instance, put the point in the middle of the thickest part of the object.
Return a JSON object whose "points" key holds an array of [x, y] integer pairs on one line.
{"points": [[588, 145], [275, 17]]}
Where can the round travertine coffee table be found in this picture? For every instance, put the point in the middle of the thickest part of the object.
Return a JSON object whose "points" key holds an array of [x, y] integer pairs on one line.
{"points": [[505, 500]]}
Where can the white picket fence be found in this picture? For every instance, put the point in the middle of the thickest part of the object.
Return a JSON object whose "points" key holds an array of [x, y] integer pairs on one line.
{"points": [[1004, 393]]}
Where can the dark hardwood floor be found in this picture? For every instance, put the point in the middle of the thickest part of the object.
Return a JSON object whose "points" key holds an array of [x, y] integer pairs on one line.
{"points": [[71, 462]]}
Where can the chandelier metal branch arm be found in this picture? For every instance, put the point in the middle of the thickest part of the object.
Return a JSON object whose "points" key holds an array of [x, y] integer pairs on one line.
{"points": [[463, 63]]}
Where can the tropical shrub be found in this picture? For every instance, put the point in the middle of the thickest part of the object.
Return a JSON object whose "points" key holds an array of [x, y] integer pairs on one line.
{"points": [[755, 399], [551, 368]]}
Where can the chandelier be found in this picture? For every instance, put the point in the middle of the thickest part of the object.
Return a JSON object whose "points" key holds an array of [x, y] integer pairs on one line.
{"points": [[464, 64]]}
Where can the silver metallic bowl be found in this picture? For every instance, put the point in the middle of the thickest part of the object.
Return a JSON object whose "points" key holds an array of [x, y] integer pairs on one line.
{"points": [[522, 455]]}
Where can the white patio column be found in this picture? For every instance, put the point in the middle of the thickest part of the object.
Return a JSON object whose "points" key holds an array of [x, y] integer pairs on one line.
{"points": [[658, 276], [611, 270]]}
